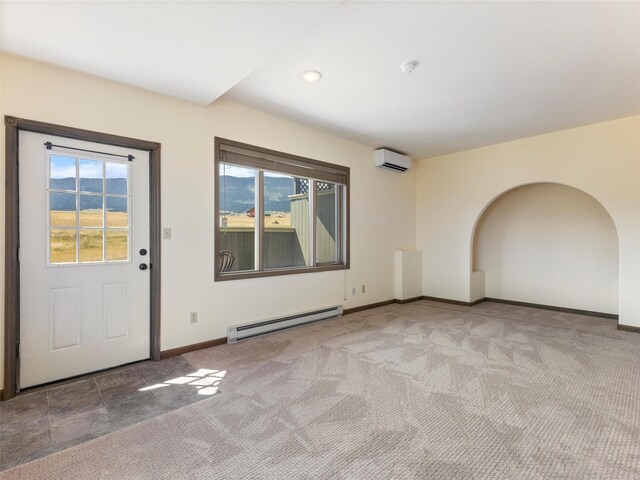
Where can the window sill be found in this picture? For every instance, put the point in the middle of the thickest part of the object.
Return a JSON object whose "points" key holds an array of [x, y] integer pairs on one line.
{"points": [[222, 277]]}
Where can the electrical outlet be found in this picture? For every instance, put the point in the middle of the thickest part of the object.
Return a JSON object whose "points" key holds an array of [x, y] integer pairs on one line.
{"points": [[193, 317], [353, 291], [166, 233], [363, 288]]}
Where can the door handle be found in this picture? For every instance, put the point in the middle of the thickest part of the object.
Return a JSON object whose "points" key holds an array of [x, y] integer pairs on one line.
{"points": [[142, 266]]}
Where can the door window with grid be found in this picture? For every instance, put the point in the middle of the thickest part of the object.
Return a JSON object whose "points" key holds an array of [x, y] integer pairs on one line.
{"points": [[88, 210]]}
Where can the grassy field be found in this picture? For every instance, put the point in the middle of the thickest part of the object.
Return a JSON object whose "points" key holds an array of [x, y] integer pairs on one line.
{"points": [[88, 218], [242, 220], [63, 242]]}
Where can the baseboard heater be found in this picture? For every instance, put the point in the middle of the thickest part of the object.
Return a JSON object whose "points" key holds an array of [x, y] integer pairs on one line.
{"points": [[240, 332]]}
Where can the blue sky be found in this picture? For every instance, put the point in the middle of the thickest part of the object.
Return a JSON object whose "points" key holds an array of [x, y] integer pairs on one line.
{"points": [[65, 167]]}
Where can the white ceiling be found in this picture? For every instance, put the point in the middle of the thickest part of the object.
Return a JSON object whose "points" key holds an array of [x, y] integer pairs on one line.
{"points": [[488, 72], [191, 50]]}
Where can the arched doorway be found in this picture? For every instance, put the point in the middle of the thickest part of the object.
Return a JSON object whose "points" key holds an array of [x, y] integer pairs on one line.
{"points": [[547, 244]]}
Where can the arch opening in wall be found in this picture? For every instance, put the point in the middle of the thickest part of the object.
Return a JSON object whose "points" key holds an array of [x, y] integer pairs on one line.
{"points": [[547, 244]]}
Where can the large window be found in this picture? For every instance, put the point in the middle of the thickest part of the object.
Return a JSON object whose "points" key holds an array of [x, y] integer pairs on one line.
{"points": [[278, 213]]}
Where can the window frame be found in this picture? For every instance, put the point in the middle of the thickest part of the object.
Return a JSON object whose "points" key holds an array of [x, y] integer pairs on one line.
{"points": [[295, 166]]}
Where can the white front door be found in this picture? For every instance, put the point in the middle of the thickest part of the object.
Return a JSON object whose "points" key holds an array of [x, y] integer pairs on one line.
{"points": [[84, 237]]}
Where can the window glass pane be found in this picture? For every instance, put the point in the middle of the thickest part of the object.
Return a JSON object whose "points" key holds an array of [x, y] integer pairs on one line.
{"points": [[117, 178], [117, 245], [90, 245], [62, 209], [237, 217], [327, 230], [63, 172], [91, 210], [62, 246], [286, 221], [117, 212], [91, 176]]}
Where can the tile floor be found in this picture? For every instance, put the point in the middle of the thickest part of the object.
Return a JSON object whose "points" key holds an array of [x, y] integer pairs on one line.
{"points": [[36, 424]]}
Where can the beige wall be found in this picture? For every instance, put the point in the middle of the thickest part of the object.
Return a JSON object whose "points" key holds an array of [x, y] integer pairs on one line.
{"points": [[434, 207], [602, 160], [382, 202], [549, 244]]}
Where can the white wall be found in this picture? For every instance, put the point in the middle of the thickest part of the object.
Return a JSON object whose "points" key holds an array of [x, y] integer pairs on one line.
{"points": [[603, 160], [549, 244], [382, 202]]}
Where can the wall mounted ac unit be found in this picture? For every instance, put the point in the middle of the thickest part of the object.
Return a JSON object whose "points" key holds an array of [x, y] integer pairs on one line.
{"points": [[393, 161]]}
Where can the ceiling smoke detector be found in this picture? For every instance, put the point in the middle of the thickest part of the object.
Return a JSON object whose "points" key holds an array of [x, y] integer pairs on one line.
{"points": [[408, 67]]}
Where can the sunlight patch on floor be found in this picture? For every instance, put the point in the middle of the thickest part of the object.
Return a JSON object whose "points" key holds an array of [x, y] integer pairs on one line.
{"points": [[204, 380]]}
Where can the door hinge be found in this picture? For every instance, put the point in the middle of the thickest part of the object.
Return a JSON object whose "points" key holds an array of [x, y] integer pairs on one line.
{"points": [[17, 350]]}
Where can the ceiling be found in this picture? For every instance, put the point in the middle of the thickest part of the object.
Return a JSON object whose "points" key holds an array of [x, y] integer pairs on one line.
{"points": [[487, 72]]}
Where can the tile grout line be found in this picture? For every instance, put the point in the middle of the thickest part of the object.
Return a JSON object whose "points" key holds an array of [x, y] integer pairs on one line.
{"points": [[104, 403], [99, 390], [48, 419]]}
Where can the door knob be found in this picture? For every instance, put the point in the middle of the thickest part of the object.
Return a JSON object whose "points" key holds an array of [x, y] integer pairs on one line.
{"points": [[142, 266]]}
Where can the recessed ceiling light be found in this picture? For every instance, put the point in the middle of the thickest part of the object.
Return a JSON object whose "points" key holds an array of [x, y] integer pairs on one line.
{"points": [[311, 76]]}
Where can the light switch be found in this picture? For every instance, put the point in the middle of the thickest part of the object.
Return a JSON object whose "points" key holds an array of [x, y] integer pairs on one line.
{"points": [[166, 233]]}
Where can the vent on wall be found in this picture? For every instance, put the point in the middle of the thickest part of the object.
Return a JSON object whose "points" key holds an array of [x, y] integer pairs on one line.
{"points": [[392, 160], [240, 332]]}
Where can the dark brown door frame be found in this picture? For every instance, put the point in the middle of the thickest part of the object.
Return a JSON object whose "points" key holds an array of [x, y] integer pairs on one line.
{"points": [[13, 126]]}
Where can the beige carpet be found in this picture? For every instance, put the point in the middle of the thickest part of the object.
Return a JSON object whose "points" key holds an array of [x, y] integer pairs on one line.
{"points": [[423, 390]]}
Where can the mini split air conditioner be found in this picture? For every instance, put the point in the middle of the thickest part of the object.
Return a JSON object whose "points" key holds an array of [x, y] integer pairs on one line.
{"points": [[393, 161]]}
